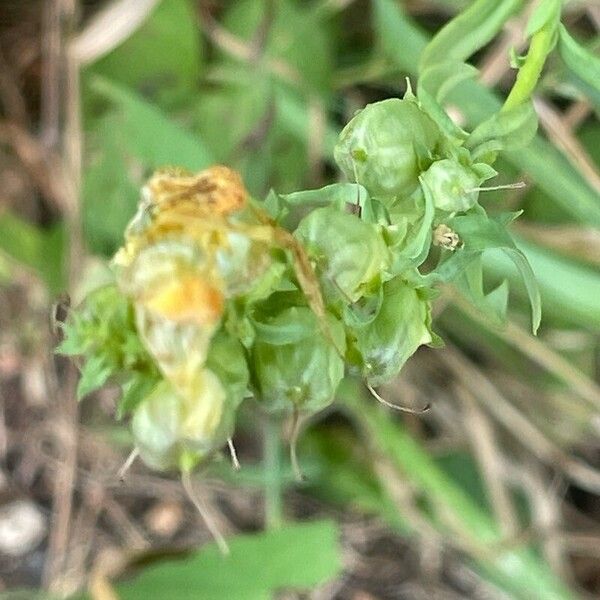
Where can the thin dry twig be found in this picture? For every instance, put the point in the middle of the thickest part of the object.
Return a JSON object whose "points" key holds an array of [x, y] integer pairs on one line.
{"points": [[243, 50], [51, 74], [109, 28], [11, 97], [564, 139], [42, 165], [67, 418]]}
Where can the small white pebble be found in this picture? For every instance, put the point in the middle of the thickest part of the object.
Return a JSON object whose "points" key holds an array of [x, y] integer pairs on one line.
{"points": [[22, 527]]}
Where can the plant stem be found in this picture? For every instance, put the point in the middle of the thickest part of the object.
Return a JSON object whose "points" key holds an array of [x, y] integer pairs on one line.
{"points": [[541, 45], [272, 475]]}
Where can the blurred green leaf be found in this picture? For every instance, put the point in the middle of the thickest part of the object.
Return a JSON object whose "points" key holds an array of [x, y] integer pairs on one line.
{"points": [[584, 64], [110, 184], [545, 12], [295, 556], [152, 136], [36, 248], [470, 30], [161, 60], [295, 36], [94, 374]]}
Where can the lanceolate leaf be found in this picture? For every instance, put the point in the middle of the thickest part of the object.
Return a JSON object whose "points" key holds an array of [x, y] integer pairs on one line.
{"points": [[153, 137], [469, 31]]}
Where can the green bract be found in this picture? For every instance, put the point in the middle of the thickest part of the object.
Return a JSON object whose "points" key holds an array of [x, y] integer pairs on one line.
{"points": [[401, 326], [303, 374], [102, 330], [453, 187], [350, 254], [386, 146]]}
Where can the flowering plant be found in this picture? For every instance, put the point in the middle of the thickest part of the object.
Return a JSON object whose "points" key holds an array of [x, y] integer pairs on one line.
{"points": [[216, 296]]}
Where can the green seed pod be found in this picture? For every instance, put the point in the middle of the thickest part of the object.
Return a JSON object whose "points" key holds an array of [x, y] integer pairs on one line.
{"points": [[386, 146], [401, 326], [453, 187], [169, 428], [303, 374], [349, 253]]}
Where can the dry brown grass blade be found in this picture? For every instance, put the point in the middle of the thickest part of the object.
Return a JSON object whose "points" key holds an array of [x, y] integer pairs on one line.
{"points": [[579, 242], [484, 446], [111, 26], [517, 424]]}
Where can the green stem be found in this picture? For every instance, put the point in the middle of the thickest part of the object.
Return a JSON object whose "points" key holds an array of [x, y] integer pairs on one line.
{"points": [[272, 475], [541, 45]]}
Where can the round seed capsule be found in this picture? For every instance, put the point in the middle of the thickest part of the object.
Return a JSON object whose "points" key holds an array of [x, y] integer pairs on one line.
{"points": [[302, 374], [386, 146], [453, 187]]}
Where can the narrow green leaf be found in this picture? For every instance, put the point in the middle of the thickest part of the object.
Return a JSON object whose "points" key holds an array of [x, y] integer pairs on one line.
{"points": [[546, 12], [467, 32], [528, 277], [152, 136], [569, 291]]}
